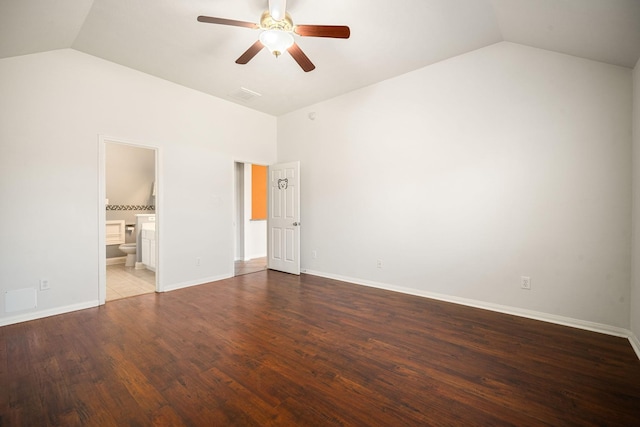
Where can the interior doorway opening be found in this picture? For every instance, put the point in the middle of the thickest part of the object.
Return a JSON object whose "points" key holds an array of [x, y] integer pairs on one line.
{"points": [[128, 236], [251, 221]]}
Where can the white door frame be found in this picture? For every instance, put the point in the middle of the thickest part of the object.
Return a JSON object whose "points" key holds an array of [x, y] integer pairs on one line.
{"points": [[238, 220], [102, 180], [238, 215]]}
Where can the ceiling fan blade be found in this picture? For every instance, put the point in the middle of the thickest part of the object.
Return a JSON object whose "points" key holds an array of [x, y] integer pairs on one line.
{"points": [[250, 53], [302, 59], [277, 9], [332, 31], [223, 21]]}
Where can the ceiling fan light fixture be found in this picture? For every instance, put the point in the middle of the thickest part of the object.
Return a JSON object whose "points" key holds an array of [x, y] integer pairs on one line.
{"points": [[277, 41], [277, 34]]}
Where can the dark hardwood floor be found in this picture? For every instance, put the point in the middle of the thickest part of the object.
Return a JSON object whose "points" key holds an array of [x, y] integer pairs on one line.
{"points": [[273, 349]]}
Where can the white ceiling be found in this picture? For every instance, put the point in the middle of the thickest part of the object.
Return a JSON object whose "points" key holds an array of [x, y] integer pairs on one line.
{"points": [[388, 38]]}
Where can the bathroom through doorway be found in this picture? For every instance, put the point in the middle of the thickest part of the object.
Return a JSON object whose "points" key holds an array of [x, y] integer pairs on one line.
{"points": [[129, 177]]}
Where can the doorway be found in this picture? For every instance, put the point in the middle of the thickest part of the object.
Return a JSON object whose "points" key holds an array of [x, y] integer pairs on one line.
{"points": [[250, 218], [128, 196]]}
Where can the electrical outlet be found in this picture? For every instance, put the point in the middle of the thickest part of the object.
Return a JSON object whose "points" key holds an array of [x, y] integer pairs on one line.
{"points": [[379, 263], [314, 254], [198, 262], [44, 285], [525, 282]]}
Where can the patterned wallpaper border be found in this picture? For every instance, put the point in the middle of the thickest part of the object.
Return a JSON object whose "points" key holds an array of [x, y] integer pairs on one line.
{"points": [[131, 207]]}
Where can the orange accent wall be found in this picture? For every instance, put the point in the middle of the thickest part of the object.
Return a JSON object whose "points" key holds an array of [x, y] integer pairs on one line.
{"points": [[258, 192]]}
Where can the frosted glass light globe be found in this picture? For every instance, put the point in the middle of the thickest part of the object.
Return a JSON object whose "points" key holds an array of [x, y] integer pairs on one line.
{"points": [[277, 41]]}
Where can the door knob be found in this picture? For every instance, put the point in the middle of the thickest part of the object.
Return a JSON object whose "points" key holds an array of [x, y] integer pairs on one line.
{"points": [[295, 224]]}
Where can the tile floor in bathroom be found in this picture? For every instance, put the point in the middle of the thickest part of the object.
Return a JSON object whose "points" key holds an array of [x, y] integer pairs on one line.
{"points": [[123, 282]]}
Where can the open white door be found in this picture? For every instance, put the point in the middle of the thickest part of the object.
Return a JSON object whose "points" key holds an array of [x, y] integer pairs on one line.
{"points": [[283, 239]]}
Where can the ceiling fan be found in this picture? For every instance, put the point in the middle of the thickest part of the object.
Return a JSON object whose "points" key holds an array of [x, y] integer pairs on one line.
{"points": [[277, 33]]}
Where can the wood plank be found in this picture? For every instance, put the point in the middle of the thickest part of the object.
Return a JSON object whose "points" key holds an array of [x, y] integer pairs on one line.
{"points": [[274, 349]]}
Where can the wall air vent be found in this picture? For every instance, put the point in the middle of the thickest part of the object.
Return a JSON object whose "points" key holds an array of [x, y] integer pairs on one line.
{"points": [[245, 95], [20, 299]]}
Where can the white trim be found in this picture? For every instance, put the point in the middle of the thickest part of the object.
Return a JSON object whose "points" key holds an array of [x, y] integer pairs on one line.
{"points": [[117, 260], [159, 198], [236, 219], [530, 314], [46, 313], [197, 282], [102, 219], [635, 343]]}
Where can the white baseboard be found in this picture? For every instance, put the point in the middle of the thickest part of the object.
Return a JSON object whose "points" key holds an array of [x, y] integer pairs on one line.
{"points": [[196, 282], [545, 317], [635, 343], [116, 260], [46, 313]]}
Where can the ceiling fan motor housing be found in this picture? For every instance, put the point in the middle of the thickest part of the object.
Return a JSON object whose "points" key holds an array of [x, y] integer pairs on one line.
{"points": [[268, 23]]}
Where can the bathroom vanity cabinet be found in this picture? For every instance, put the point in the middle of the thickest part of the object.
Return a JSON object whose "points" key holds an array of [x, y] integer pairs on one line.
{"points": [[148, 246]]}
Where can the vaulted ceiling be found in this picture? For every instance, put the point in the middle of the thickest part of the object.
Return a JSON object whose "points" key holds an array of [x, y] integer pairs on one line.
{"points": [[388, 38]]}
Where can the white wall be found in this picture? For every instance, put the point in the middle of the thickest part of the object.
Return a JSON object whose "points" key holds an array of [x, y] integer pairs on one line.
{"points": [[54, 106], [467, 174], [635, 283], [130, 172]]}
